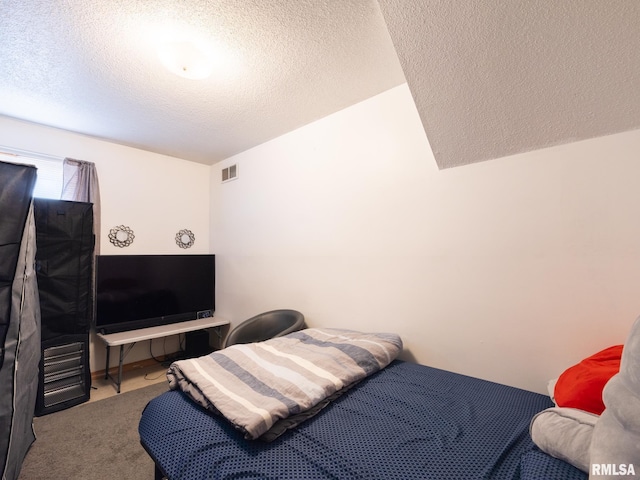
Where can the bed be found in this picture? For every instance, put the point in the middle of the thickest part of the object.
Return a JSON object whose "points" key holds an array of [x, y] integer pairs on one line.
{"points": [[403, 421]]}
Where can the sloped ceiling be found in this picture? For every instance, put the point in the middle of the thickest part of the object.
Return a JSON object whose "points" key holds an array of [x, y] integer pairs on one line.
{"points": [[490, 78], [90, 66]]}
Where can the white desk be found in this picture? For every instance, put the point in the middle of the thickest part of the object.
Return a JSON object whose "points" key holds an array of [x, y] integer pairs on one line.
{"points": [[132, 336]]}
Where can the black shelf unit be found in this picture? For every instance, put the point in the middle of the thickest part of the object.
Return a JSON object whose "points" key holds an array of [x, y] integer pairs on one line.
{"points": [[64, 267]]}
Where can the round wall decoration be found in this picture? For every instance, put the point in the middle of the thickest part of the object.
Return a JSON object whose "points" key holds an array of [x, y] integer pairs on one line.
{"points": [[185, 238], [121, 236]]}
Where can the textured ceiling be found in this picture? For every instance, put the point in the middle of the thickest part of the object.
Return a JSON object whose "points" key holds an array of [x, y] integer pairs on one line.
{"points": [[91, 67], [490, 78]]}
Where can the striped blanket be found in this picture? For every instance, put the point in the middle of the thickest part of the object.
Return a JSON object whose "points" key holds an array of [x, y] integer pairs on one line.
{"points": [[259, 384]]}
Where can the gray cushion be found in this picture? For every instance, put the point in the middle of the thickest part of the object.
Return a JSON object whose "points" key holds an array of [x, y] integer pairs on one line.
{"points": [[616, 436], [564, 433]]}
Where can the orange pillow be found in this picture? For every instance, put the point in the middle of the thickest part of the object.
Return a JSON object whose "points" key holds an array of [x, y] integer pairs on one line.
{"points": [[581, 386]]}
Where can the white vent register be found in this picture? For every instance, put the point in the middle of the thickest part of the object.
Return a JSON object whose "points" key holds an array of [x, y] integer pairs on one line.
{"points": [[229, 173]]}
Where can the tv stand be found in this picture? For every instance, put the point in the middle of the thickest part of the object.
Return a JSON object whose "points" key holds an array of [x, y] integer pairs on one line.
{"points": [[131, 337]]}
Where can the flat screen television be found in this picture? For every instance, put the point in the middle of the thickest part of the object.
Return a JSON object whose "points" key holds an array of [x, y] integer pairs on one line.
{"points": [[139, 291]]}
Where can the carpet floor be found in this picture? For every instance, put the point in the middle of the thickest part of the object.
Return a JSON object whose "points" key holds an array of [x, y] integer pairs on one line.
{"points": [[92, 441]]}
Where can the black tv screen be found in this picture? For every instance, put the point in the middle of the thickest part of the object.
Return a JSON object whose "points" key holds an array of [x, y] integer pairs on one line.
{"points": [[139, 291]]}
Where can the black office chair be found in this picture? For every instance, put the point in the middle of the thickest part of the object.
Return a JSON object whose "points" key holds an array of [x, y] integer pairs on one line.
{"points": [[264, 326]]}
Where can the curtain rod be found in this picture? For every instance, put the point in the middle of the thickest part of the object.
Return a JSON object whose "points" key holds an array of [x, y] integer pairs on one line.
{"points": [[16, 152]]}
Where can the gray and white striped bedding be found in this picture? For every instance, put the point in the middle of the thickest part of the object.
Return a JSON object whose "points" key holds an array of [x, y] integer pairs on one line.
{"points": [[256, 385]]}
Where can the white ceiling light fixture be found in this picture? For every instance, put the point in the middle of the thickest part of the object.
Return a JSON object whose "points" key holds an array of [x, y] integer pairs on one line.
{"points": [[186, 59]]}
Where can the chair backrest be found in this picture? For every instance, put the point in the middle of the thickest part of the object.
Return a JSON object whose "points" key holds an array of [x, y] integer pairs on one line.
{"points": [[264, 326]]}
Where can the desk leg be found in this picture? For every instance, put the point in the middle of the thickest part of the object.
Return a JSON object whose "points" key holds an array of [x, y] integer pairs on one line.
{"points": [[118, 381], [120, 366], [106, 368]]}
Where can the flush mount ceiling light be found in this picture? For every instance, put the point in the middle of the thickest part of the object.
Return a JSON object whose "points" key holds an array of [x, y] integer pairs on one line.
{"points": [[186, 59]]}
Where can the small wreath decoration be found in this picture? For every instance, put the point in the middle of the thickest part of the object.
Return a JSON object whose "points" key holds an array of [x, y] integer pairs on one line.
{"points": [[185, 238], [121, 236]]}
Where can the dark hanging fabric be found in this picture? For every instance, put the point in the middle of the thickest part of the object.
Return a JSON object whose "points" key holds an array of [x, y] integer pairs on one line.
{"points": [[21, 328], [16, 190]]}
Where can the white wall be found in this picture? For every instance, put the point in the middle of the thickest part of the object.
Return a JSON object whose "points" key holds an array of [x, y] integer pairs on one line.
{"points": [[154, 195], [510, 270]]}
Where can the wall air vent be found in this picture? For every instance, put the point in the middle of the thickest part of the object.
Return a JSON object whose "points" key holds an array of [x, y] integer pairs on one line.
{"points": [[229, 173]]}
